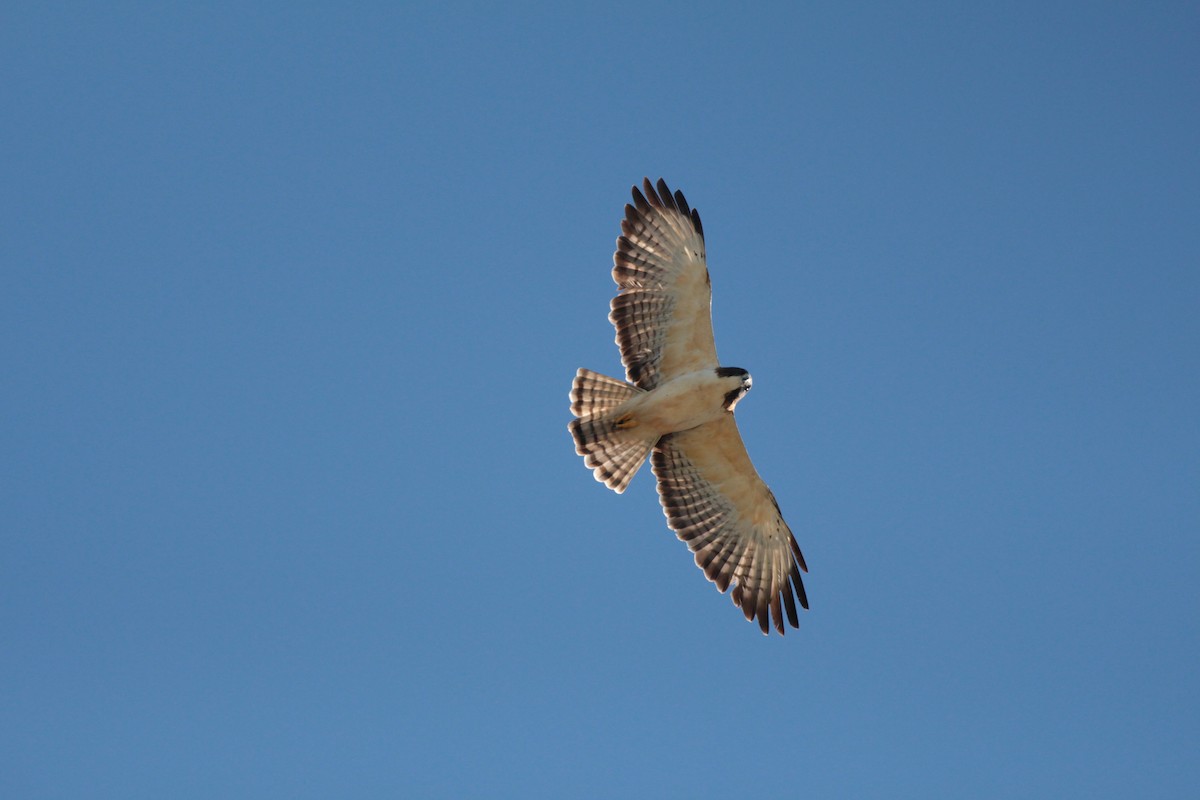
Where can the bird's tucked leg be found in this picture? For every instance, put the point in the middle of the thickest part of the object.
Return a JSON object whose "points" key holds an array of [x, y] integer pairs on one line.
{"points": [[625, 422]]}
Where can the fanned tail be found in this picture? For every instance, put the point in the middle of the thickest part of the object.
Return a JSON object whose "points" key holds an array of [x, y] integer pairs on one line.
{"points": [[612, 453], [593, 394]]}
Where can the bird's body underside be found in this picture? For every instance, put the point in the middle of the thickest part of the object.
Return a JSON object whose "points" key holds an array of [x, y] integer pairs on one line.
{"points": [[677, 408]]}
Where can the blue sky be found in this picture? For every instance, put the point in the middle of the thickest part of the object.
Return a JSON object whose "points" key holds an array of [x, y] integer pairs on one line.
{"points": [[292, 298]]}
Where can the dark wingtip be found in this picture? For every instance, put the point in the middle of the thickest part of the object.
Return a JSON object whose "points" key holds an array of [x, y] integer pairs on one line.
{"points": [[796, 550], [777, 612], [651, 195], [659, 195], [789, 604], [798, 585], [664, 192], [639, 200]]}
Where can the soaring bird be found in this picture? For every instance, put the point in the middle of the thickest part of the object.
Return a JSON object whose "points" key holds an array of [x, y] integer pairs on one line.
{"points": [[676, 407]]}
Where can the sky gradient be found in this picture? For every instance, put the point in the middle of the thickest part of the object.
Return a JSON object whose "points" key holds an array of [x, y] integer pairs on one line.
{"points": [[292, 299]]}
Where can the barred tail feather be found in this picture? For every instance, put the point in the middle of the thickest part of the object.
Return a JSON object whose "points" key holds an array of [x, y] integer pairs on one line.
{"points": [[614, 455], [593, 393]]}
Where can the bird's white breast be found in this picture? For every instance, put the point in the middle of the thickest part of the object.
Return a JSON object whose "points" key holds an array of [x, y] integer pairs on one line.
{"points": [[683, 403]]}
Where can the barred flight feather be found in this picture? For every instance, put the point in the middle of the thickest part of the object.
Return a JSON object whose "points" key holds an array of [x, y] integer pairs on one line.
{"points": [[659, 258], [760, 560]]}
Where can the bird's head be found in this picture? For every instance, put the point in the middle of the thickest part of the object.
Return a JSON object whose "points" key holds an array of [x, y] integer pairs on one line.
{"points": [[738, 381]]}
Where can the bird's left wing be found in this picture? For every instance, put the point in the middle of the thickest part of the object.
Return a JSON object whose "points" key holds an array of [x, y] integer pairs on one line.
{"points": [[662, 311], [715, 501]]}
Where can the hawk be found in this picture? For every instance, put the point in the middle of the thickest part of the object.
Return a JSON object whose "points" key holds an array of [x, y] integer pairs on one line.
{"points": [[677, 408]]}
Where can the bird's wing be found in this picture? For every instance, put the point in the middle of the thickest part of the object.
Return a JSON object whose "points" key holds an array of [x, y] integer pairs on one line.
{"points": [[716, 502], [662, 311]]}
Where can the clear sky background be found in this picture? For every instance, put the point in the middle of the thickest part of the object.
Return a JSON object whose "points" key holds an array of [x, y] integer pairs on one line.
{"points": [[292, 297]]}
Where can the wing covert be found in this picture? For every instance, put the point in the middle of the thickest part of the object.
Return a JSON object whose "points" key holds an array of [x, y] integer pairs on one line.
{"points": [[715, 501], [662, 311]]}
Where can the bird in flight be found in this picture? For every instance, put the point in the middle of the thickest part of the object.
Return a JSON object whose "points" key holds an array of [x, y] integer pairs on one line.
{"points": [[677, 408]]}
